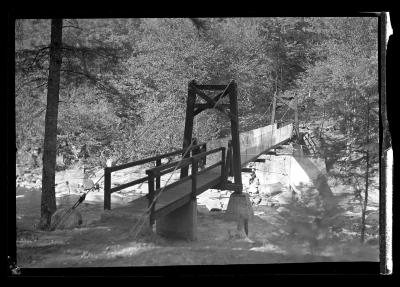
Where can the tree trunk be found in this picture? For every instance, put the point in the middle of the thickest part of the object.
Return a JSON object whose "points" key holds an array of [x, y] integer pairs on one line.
{"points": [[48, 199], [365, 201], [366, 181]]}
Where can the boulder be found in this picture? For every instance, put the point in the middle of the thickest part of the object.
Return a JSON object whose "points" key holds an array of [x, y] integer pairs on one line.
{"points": [[283, 198], [213, 204], [271, 189], [73, 220], [202, 209], [372, 218]]}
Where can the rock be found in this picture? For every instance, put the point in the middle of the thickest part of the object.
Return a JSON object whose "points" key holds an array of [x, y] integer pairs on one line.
{"points": [[253, 189], [87, 183], [283, 198], [213, 204], [372, 218], [236, 234], [215, 209], [68, 222], [39, 182], [282, 209], [271, 189], [373, 241], [256, 200], [202, 209]]}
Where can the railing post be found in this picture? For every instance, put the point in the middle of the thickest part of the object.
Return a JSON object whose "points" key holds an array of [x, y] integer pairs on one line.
{"points": [[151, 196], [107, 187], [229, 159], [204, 149], [194, 177], [223, 168], [158, 181]]}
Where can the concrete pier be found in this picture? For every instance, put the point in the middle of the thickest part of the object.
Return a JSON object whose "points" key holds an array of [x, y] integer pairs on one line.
{"points": [[180, 223]]}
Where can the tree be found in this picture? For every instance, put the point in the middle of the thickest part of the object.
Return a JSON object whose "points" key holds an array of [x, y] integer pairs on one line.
{"points": [[48, 199], [341, 86]]}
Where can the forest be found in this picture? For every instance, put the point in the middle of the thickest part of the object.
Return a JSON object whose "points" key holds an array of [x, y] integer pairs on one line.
{"points": [[123, 86]]}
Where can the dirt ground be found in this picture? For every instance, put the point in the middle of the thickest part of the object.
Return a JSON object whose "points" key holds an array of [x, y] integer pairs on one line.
{"points": [[109, 239]]}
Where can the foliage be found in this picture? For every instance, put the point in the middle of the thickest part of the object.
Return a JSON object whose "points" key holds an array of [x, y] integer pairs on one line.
{"points": [[124, 81]]}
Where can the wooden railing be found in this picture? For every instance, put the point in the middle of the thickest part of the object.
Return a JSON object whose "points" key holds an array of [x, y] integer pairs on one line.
{"points": [[158, 171], [310, 143], [195, 149]]}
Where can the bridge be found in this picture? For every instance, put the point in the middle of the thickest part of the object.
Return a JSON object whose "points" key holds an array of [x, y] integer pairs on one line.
{"points": [[172, 207]]}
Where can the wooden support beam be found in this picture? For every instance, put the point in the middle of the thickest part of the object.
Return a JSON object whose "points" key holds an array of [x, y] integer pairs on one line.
{"points": [[247, 169], [207, 106], [211, 102], [260, 160], [151, 198], [229, 160], [158, 181], [211, 87], [235, 136], [107, 187], [187, 137]]}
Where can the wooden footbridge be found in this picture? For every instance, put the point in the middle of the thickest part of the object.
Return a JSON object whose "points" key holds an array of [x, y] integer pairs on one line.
{"points": [[173, 206]]}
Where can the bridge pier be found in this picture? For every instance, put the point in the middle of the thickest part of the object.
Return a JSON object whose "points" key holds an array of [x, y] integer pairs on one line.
{"points": [[180, 223]]}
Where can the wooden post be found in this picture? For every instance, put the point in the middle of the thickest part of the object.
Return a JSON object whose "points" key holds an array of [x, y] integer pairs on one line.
{"points": [[194, 177], [235, 136], [223, 168], [151, 197], [158, 181], [204, 160], [107, 187], [187, 137], [229, 159]]}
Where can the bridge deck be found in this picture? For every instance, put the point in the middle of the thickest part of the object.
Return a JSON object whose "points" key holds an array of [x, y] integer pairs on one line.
{"points": [[180, 194]]}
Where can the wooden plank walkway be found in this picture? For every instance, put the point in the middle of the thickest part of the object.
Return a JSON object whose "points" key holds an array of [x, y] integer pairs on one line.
{"points": [[179, 195]]}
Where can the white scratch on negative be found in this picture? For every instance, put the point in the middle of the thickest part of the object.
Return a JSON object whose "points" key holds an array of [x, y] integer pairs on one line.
{"points": [[388, 211]]}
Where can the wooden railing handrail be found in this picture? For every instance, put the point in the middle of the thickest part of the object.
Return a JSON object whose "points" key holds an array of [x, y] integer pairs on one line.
{"points": [[154, 158], [178, 164], [203, 154]]}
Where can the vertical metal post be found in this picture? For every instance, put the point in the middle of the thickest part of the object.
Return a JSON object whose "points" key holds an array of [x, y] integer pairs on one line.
{"points": [[107, 187], [158, 182], [187, 137], [235, 136]]}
